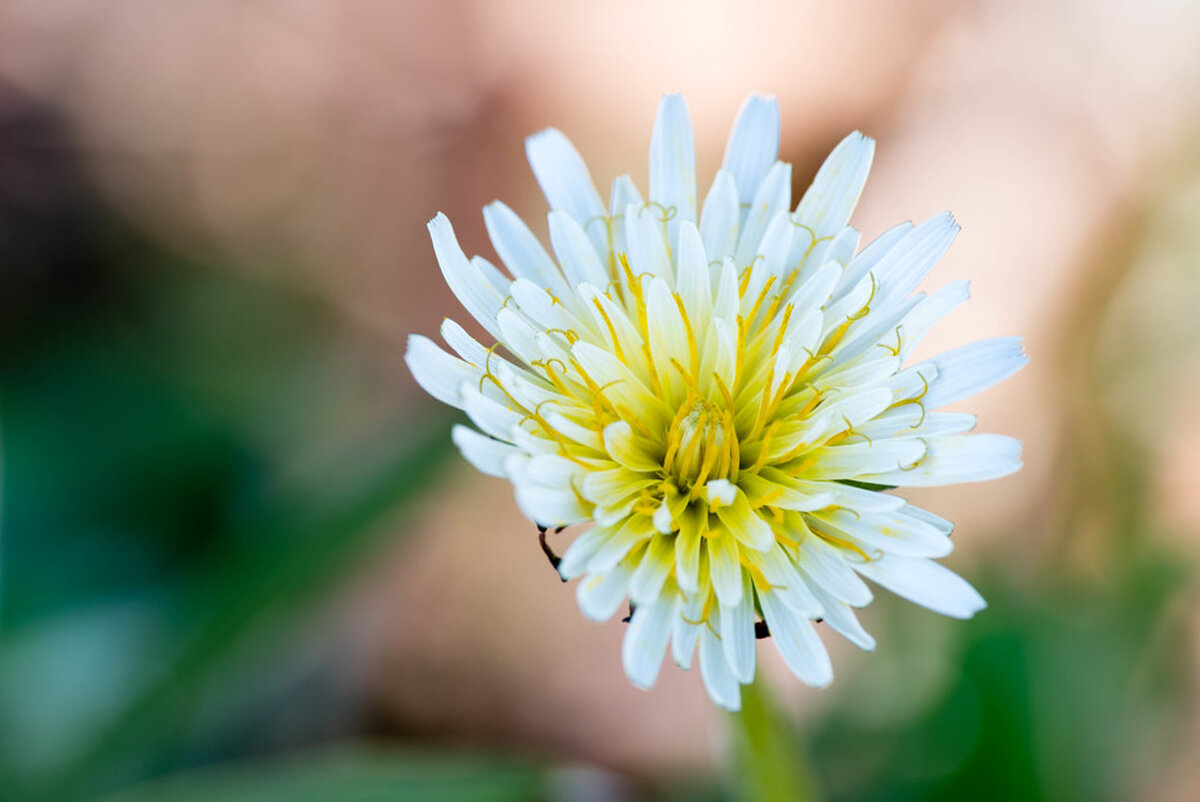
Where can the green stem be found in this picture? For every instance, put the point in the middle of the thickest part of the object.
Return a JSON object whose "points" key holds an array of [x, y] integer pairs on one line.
{"points": [[770, 760]]}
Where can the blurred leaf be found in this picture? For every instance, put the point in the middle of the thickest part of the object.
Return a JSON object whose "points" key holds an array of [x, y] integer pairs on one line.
{"points": [[352, 775], [192, 457], [1053, 694], [326, 538]]}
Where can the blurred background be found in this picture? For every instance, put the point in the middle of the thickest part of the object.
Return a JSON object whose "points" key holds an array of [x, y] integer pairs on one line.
{"points": [[239, 559]]}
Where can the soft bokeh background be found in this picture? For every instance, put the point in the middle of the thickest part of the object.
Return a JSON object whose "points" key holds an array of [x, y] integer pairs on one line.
{"points": [[239, 559]]}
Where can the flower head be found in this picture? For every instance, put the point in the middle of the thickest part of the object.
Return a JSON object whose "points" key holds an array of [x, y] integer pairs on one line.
{"points": [[723, 393]]}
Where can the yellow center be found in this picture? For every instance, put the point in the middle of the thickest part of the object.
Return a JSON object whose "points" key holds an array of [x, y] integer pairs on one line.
{"points": [[701, 445]]}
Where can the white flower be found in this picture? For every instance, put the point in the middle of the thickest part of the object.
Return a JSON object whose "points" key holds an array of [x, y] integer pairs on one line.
{"points": [[721, 391]]}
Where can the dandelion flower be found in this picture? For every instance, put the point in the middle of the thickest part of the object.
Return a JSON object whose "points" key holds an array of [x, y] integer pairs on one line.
{"points": [[721, 392]]}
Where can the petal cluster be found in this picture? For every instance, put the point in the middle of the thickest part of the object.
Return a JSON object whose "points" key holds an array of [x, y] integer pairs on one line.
{"points": [[723, 393]]}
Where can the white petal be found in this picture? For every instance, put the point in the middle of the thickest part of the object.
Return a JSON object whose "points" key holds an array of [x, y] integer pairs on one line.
{"points": [[721, 218], [870, 256], [519, 249], [753, 145], [575, 251], [610, 486], [724, 347], [842, 247], [645, 239], [797, 642], [564, 179], [773, 196], [624, 194], [745, 524], [737, 634], [784, 580], [925, 582], [550, 507], [783, 492], [673, 164], [471, 349], [535, 442], [546, 494], [815, 289], [828, 203], [840, 616], [911, 259], [861, 374], [463, 343], [684, 634], [834, 417], [483, 452], [646, 639], [627, 449], [807, 254], [687, 559], [692, 278], [928, 312], [854, 498], [578, 555], [725, 299], [605, 368], [956, 458], [541, 307], [720, 492], [662, 519], [862, 459], [825, 565], [518, 335], [439, 374], [913, 382], [600, 595], [617, 545], [579, 434], [617, 331], [667, 334], [909, 420], [489, 271], [489, 415], [722, 686], [550, 470], [651, 573], [936, 521], [892, 533], [768, 259], [972, 368], [724, 568], [876, 333], [473, 290]]}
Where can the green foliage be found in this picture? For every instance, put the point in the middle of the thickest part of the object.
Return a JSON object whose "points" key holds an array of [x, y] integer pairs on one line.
{"points": [[1050, 694], [355, 775], [160, 543]]}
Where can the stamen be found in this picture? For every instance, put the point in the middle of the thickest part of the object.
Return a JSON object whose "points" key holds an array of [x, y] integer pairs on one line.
{"points": [[710, 457], [765, 448], [783, 327], [842, 543], [693, 348], [570, 334], [893, 351], [636, 422], [851, 433], [761, 296]]}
